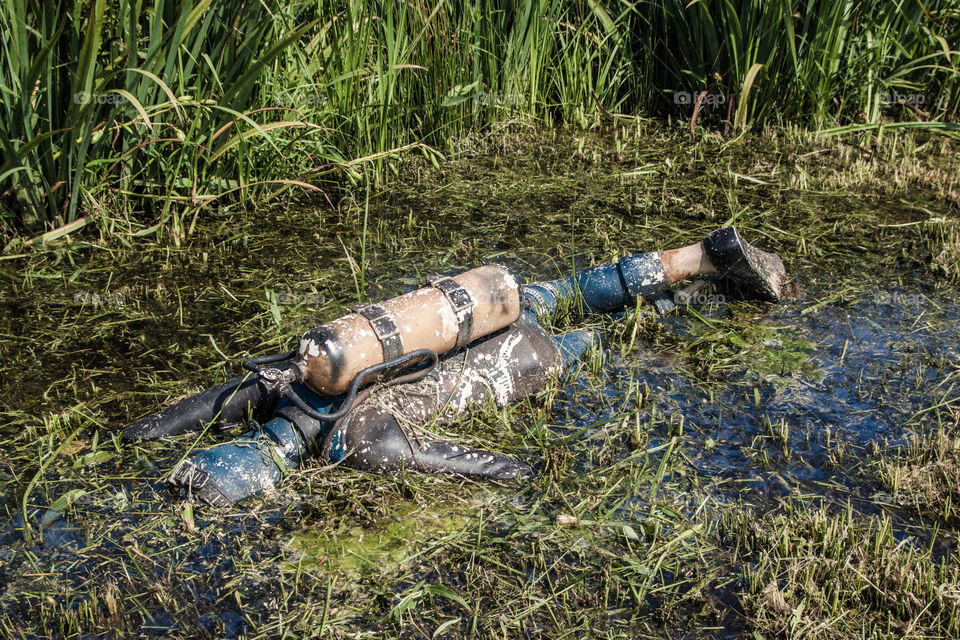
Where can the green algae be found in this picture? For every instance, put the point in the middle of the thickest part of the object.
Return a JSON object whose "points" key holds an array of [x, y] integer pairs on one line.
{"points": [[379, 548], [770, 350]]}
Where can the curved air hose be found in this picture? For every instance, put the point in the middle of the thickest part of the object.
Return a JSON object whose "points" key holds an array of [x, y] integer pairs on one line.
{"points": [[230, 403]]}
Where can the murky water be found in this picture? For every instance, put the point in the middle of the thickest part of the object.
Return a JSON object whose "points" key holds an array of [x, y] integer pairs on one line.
{"points": [[813, 384], [756, 402]]}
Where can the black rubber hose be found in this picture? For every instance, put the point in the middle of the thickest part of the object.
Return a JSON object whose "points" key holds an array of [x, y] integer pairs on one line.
{"points": [[428, 356], [255, 364], [229, 402], [355, 399]]}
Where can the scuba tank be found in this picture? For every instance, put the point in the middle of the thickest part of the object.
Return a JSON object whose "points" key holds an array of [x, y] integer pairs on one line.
{"points": [[338, 357], [449, 313]]}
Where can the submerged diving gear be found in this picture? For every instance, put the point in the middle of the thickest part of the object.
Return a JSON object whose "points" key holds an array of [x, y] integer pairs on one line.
{"points": [[487, 355], [448, 314], [379, 432]]}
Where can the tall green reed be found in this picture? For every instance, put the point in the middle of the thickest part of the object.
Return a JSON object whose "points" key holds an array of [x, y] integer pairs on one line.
{"points": [[160, 108], [129, 106], [146, 112], [815, 63]]}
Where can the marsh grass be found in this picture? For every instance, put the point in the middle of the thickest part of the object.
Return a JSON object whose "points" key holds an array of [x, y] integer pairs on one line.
{"points": [[116, 110], [833, 574], [143, 117], [942, 236], [923, 475]]}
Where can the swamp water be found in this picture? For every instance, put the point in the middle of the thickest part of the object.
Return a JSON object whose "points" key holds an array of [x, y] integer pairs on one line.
{"points": [[653, 459]]}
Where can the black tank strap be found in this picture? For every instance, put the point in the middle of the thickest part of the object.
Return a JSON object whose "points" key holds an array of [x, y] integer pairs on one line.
{"points": [[385, 328], [463, 305]]}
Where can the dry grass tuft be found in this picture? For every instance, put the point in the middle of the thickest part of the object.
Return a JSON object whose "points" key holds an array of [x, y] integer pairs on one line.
{"points": [[837, 575]]}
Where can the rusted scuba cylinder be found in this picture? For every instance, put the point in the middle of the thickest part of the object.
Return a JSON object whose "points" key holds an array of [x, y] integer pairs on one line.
{"points": [[449, 313]]}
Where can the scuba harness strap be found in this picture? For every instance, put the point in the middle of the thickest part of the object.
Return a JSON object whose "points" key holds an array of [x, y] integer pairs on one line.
{"points": [[463, 305], [385, 328]]}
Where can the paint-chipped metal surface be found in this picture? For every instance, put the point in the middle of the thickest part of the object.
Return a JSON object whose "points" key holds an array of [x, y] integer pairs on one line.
{"points": [[643, 274]]}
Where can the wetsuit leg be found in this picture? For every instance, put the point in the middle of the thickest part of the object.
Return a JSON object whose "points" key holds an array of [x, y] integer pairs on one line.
{"points": [[380, 444], [603, 288]]}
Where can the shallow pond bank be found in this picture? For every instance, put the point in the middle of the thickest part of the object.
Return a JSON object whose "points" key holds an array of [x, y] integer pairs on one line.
{"points": [[681, 472]]}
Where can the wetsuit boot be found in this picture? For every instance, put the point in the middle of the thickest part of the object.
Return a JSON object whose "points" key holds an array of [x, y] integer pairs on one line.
{"points": [[761, 274], [610, 287]]}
